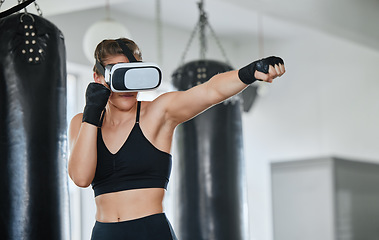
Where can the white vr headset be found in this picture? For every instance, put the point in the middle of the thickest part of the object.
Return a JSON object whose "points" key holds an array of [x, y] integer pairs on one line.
{"points": [[134, 76]]}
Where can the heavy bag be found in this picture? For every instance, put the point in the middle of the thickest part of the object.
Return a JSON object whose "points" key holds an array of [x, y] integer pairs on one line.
{"points": [[33, 142], [211, 184]]}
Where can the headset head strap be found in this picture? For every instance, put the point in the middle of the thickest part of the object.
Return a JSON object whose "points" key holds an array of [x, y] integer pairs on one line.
{"points": [[125, 50]]}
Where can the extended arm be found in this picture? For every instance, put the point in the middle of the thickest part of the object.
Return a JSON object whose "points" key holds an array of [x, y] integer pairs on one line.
{"points": [[182, 106]]}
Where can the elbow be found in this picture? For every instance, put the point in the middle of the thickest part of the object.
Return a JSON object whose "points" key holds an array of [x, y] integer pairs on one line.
{"points": [[80, 181], [82, 184], [82, 177]]}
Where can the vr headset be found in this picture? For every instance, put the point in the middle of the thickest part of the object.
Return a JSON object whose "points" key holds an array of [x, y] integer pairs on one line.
{"points": [[134, 76]]}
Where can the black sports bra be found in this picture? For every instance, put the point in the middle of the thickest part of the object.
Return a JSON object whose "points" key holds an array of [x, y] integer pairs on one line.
{"points": [[138, 164]]}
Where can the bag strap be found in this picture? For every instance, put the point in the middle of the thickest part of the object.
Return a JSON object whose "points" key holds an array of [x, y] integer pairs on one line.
{"points": [[138, 111], [15, 8]]}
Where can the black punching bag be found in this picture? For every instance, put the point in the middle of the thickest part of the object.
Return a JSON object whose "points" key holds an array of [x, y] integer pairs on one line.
{"points": [[211, 184], [33, 142]]}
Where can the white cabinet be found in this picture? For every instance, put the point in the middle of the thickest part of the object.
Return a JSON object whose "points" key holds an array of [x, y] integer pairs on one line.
{"points": [[325, 199]]}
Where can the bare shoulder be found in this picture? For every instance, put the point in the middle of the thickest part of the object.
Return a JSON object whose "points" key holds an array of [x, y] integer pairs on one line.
{"points": [[158, 108], [165, 99], [180, 106], [161, 103]]}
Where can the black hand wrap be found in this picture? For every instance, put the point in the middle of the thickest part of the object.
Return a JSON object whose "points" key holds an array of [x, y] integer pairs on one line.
{"points": [[96, 99], [246, 74]]}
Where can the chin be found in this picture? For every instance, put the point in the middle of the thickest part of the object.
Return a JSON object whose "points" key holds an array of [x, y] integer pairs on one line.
{"points": [[124, 102]]}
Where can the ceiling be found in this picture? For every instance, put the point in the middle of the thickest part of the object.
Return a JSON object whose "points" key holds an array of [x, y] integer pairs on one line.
{"points": [[356, 20]]}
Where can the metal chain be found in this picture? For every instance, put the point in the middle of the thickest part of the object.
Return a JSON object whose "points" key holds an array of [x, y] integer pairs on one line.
{"points": [[159, 32], [218, 42], [39, 11], [186, 50], [21, 1], [1, 2], [108, 10], [202, 24]]}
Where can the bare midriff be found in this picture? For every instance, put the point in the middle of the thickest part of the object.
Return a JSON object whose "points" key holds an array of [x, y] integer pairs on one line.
{"points": [[129, 204]]}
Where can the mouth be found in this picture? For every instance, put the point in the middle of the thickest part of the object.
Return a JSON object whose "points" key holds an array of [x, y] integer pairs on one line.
{"points": [[126, 95]]}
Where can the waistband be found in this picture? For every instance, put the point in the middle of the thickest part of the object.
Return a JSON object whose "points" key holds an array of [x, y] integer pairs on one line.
{"points": [[148, 217]]}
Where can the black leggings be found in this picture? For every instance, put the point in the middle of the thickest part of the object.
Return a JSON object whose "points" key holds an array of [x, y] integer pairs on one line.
{"points": [[153, 227]]}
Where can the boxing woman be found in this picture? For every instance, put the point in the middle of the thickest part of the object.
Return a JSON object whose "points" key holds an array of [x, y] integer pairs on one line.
{"points": [[122, 146]]}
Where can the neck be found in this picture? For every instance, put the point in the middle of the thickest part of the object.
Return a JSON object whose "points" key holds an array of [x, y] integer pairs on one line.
{"points": [[116, 116]]}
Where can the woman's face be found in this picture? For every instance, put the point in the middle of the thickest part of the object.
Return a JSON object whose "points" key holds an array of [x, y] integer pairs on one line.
{"points": [[121, 100]]}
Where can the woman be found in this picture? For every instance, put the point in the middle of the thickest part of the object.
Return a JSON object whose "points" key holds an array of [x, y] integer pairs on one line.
{"points": [[122, 146]]}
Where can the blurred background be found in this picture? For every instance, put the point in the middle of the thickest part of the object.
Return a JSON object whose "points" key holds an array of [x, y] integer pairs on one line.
{"points": [[325, 107]]}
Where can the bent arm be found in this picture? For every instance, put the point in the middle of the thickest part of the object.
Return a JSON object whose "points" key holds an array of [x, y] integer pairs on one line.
{"points": [[83, 151]]}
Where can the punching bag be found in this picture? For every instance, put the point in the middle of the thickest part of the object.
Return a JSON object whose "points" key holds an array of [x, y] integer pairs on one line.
{"points": [[33, 142], [211, 184]]}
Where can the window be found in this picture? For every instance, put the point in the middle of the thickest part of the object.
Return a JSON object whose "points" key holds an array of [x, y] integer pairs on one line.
{"points": [[74, 191]]}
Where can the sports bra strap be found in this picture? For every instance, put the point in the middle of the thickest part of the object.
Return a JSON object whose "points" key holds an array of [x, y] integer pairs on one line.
{"points": [[138, 110], [102, 118]]}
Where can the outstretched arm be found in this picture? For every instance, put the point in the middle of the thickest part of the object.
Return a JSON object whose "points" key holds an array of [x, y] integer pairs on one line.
{"points": [[184, 105]]}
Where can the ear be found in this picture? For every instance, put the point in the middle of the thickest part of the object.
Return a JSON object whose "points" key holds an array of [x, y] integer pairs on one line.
{"points": [[97, 78]]}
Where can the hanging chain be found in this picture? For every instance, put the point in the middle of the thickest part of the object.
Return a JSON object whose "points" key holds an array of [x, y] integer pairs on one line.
{"points": [[159, 31], [107, 10], [203, 21], [201, 26], [1, 2], [21, 1], [218, 42], [39, 11], [260, 35], [186, 50]]}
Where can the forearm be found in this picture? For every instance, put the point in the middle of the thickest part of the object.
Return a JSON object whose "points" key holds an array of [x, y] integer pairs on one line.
{"points": [[83, 156], [230, 83], [223, 86]]}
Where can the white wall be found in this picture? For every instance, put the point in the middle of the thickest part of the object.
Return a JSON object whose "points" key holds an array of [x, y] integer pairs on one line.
{"points": [[326, 104]]}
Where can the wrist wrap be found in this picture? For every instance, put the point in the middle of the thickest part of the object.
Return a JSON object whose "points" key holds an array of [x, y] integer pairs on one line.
{"points": [[96, 99], [246, 74]]}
